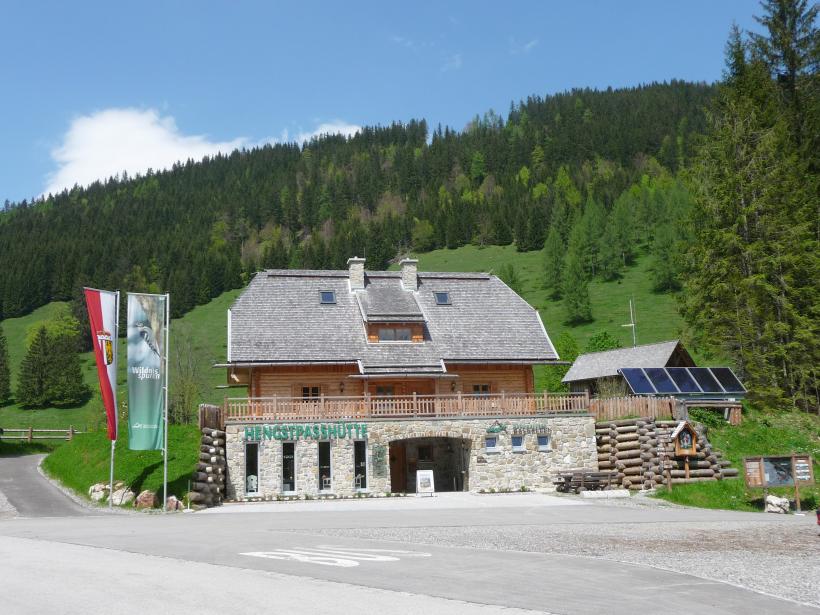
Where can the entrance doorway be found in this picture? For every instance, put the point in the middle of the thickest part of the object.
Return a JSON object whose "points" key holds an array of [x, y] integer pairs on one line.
{"points": [[448, 458]]}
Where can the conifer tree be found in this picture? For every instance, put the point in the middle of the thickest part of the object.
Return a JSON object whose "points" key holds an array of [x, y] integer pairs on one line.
{"points": [[509, 276], [554, 253], [64, 382], [750, 284], [5, 369], [32, 384], [575, 291]]}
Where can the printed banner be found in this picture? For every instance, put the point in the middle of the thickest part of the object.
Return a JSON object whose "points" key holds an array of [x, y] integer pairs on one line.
{"points": [[146, 371], [102, 315]]}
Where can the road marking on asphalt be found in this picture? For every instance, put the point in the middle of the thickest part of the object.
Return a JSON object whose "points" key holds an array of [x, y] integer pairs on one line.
{"points": [[343, 557]]}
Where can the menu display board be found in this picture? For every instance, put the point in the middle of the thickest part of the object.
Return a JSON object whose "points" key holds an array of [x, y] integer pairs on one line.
{"points": [[425, 482]]}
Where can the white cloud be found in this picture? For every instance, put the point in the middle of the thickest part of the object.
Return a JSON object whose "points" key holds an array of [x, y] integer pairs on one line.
{"points": [[108, 142], [453, 63], [523, 49], [334, 127]]}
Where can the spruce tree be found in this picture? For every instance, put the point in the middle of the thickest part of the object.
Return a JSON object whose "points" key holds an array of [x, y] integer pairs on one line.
{"points": [[65, 385], [509, 276], [554, 253], [5, 369], [750, 284], [574, 289], [32, 384]]}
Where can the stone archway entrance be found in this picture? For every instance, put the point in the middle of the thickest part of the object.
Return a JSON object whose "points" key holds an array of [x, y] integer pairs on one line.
{"points": [[447, 457]]}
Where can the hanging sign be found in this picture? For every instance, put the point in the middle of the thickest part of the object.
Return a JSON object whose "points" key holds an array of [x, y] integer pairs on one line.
{"points": [[146, 370], [102, 316]]}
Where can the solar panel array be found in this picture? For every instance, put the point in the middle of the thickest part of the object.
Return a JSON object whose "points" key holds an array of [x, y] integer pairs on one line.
{"points": [[682, 381]]}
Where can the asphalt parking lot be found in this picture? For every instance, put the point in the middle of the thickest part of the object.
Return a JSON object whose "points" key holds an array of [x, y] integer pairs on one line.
{"points": [[453, 553]]}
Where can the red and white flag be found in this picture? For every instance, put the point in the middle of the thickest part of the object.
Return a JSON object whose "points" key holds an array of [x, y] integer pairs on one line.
{"points": [[102, 314]]}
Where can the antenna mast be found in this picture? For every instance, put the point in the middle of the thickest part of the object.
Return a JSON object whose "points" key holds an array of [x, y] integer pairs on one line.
{"points": [[632, 324]]}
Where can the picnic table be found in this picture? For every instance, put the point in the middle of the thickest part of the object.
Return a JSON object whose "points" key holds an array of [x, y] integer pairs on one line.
{"points": [[582, 480]]}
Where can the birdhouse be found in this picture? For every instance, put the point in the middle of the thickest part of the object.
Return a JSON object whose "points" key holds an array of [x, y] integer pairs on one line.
{"points": [[685, 439]]}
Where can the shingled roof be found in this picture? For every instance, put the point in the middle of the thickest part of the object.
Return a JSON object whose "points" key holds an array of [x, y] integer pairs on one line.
{"points": [[279, 319], [608, 362]]}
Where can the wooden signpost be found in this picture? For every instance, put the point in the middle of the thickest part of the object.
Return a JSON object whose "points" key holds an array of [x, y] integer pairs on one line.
{"points": [[779, 471]]}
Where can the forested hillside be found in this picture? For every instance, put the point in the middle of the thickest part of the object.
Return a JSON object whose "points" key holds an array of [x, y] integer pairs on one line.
{"points": [[202, 227], [715, 185]]}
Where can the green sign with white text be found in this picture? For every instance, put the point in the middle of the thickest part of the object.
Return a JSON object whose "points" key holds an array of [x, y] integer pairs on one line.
{"points": [[306, 431]]}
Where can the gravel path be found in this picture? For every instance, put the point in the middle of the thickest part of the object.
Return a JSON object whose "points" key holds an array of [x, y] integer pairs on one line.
{"points": [[779, 559]]}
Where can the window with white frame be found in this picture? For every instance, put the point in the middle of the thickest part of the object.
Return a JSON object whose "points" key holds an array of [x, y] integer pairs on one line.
{"points": [[544, 442], [518, 444], [491, 444]]}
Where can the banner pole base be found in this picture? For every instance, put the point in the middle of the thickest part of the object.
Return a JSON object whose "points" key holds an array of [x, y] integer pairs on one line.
{"points": [[111, 478]]}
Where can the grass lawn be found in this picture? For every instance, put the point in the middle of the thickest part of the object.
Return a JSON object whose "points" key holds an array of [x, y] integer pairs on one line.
{"points": [[656, 313], [85, 460], [771, 433], [202, 333]]}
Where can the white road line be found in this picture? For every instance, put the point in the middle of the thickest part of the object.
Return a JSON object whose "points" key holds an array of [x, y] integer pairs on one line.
{"points": [[329, 555]]}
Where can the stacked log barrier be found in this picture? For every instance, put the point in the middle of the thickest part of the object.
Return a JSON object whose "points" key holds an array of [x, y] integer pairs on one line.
{"points": [[208, 480], [635, 451]]}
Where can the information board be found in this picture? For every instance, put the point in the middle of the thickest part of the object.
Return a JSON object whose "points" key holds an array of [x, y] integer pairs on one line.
{"points": [[425, 483], [803, 470], [778, 471]]}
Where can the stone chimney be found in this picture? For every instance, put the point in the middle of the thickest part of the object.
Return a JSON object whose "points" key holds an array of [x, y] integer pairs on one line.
{"points": [[355, 266], [409, 277]]}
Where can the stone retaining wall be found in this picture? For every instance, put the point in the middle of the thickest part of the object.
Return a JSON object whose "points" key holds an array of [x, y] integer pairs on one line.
{"points": [[572, 445]]}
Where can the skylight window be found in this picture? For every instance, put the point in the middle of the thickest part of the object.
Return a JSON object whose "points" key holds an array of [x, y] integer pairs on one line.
{"points": [[442, 298], [327, 296]]}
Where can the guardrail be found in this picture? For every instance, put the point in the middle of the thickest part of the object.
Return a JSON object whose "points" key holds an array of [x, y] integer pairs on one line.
{"points": [[29, 434]]}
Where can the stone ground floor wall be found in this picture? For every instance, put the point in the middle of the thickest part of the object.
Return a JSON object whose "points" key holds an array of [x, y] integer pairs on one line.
{"points": [[571, 444]]}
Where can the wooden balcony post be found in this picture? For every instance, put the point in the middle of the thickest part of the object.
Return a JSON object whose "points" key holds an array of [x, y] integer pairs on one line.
{"points": [[275, 407], [460, 404], [415, 405], [546, 402], [503, 400], [322, 404]]}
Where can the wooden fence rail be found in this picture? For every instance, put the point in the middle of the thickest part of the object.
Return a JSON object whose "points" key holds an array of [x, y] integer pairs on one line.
{"points": [[401, 407], [29, 434], [607, 409]]}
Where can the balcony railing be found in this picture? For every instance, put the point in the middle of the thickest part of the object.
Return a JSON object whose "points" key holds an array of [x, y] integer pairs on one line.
{"points": [[401, 407]]}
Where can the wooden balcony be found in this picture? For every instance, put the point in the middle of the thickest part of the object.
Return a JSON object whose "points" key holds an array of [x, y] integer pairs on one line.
{"points": [[270, 409]]}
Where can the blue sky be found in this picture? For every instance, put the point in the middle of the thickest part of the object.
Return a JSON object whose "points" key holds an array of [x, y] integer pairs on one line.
{"points": [[89, 89]]}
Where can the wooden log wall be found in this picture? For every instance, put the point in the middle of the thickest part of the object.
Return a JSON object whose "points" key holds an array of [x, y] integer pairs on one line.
{"points": [[208, 480], [632, 449]]}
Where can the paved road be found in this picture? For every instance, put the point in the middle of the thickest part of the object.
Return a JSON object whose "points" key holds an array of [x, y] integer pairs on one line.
{"points": [[288, 558], [287, 543], [30, 494]]}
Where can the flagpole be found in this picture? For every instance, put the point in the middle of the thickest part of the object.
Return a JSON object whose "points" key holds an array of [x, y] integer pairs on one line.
{"points": [[114, 387], [165, 446]]}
